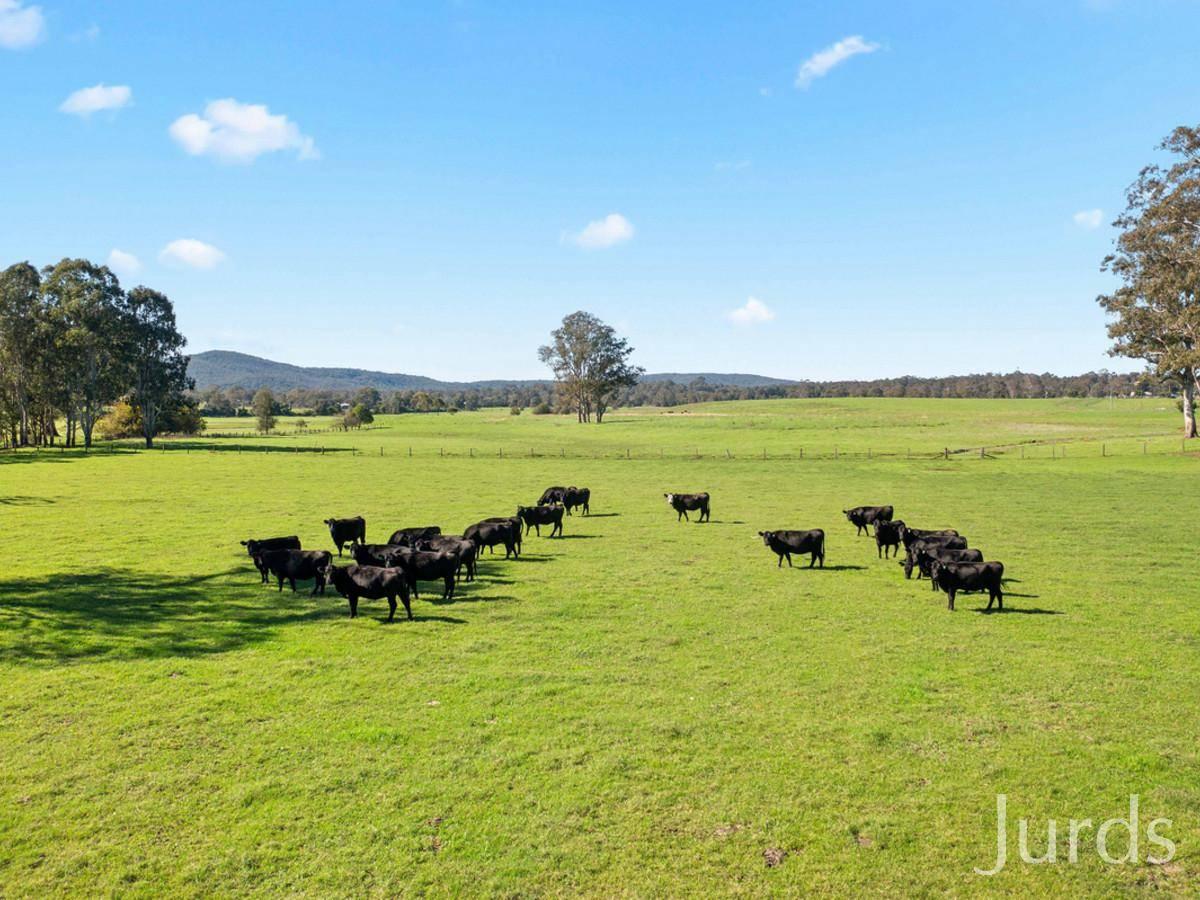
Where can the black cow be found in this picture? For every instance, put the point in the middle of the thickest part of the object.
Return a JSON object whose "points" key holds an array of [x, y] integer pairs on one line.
{"points": [[577, 496], [537, 516], [428, 565], [255, 548], [682, 503], [909, 535], [785, 543], [347, 531], [465, 551], [863, 517], [552, 495], [943, 542], [407, 537], [490, 533], [980, 576], [298, 565], [517, 528], [371, 583], [887, 537], [378, 555], [926, 556]]}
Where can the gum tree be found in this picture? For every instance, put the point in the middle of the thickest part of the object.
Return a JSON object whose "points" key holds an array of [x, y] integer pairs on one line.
{"points": [[1156, 309]]}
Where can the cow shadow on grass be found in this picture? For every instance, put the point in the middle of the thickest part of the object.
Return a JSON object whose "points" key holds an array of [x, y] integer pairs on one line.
{"points": [[839, 568], [26, 501], [112, 614], [598, 516], [1020, 611]]}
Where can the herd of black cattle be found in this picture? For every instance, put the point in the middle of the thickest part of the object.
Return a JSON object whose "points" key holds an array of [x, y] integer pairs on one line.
{"points": [[415, 554]]}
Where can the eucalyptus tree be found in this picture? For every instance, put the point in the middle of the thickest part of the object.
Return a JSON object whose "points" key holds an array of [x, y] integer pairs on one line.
{"points": [[590, 364], [1156, 309], [154, 354]]}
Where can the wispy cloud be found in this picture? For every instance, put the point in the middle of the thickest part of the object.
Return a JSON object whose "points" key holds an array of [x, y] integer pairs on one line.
{"points": [[192, 253], [86, 101], [613, 229], [1091, 219], [20, 25], [124, 263], [236, 132], [754, 312], [822, 62]]}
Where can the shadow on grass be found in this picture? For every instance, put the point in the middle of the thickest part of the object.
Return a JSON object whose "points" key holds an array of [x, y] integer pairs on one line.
{"points": [[599, 516], [836, 568], [224, 447], [578, 537], [122, 614], [1025, 611], [26, 501]]}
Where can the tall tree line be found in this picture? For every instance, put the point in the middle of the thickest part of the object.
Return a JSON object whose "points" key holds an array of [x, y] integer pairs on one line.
{"points": [[73, 342]]}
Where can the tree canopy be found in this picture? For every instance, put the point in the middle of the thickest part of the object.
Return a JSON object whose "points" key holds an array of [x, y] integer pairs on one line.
{"points": [[1156, 309]]}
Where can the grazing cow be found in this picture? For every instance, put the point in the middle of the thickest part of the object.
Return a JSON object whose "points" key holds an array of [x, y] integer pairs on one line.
{"points": [[298, 565], [785, 543], [887, 536], [461, 548], [517, 528], [537, 516], [347, 531], [981, 576], [682, 503], [378, 555], [862, 517], [941, 542], [909, 535], [577, 496], [489, 534], [370, 583], [407, 537], [552, 495], [926, 556], [256, 548], [428, 565]]}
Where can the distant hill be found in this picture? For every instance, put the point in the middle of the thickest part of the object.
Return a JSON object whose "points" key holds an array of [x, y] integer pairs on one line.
{"points": [[225, 369]]}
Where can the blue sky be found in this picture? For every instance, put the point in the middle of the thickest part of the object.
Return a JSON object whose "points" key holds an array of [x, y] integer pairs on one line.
{"points": [[432, 186]]}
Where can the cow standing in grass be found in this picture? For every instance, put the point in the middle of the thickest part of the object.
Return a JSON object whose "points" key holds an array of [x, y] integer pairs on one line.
{"points": [[943, 542], [577, 496], [954, 578], [504, 532], [255, 548], [925, 557], [785, 543], [683, 503], [298, 565], [347, 531], [370, 583], [407, 537], [461, 548], [517, 528], [887, 538], [863, 517], [537, 516]]}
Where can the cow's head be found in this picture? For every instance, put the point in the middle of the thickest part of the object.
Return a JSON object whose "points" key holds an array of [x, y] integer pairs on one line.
{"points": [[670, 499], [766, 537], [330, 521], [521, 510]]}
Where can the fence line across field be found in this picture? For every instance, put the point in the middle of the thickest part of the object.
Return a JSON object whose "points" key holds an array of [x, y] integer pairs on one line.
{"points": [[1059, 449]]}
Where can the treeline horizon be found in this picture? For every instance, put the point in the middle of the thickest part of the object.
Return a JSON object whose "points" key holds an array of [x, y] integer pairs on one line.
{"points": [[236, 401]]}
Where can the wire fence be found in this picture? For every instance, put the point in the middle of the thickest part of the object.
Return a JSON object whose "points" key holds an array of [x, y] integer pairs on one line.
{"points": [[1119, 448]]}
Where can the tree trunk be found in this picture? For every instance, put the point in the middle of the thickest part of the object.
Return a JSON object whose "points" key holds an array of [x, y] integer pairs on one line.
{"points": [[1189, 399]]}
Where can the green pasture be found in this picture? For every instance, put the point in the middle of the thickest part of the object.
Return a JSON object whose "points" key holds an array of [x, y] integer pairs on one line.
{"points": [[641, 708]]}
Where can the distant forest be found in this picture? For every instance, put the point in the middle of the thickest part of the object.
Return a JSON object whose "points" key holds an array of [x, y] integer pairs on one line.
{"points": [[542, 397]]}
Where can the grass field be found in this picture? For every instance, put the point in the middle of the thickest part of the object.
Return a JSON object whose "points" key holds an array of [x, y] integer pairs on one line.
{"points": [[640, 708]]}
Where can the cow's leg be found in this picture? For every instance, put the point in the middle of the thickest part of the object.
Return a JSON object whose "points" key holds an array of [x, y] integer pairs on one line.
{"points": [[813, 560], [407, 605], [292, 582], [950, 594], [280, 584], [353, 606], [448, 589], [391, 607]]}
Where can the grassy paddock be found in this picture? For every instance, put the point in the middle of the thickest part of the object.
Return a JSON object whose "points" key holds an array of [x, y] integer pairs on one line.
{"points": [[638, 708]]}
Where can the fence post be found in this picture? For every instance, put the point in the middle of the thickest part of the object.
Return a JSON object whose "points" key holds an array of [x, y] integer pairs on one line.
{"points": [[802, 453], [502, 453], [1144, 448], [627, 456], [946, 452], [868, 453], [835, 453], [1022, 451], [381, 451], [981, 452], [410, 452], [727, 456], [1103, 450]]}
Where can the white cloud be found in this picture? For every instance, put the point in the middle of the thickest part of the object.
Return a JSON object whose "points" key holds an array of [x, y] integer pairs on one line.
{"points": [[124, 263], [239, 133], [191, 252], [819, 64], [20, 25], [613, 229], [86, 101], [1091, 219], [755, 312]]}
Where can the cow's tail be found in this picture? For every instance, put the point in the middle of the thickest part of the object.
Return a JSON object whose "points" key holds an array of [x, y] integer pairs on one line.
{"points": [[822, 549]]}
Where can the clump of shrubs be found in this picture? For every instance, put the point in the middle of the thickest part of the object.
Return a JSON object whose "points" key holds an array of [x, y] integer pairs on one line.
{"points": [[542, 409]]}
